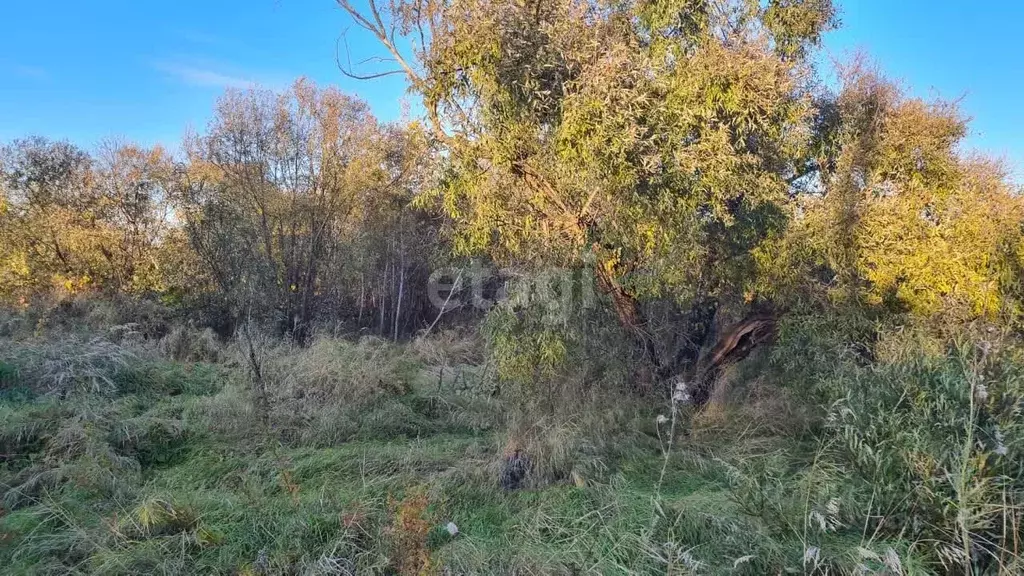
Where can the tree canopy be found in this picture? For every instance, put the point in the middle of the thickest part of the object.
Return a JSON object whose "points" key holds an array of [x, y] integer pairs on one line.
{"points": [[688, 150]]}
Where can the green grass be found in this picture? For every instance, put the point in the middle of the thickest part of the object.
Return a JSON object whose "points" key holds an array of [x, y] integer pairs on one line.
{"points": [[291, 504], [296, 505], [172, 471]]}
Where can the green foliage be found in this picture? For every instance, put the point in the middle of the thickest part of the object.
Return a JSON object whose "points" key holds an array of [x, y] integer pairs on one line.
{"points": [[293, 202], [552, 333], [932, 442], [173, 471], [522, 355], [674, 165], [310, 228], [635, 132], [917, 440], [900, 221]]}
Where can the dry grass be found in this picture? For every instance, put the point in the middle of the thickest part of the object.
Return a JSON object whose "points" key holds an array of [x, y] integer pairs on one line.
{"points": [[187, 344], [69, 365], [352, 423], [574, 442], [230, 415], [336, 372], [449, 348], [318, 395], [744, 406]]}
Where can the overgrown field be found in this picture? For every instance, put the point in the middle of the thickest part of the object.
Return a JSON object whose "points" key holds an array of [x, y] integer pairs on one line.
{"points": [[630, 287], [127, 455]]}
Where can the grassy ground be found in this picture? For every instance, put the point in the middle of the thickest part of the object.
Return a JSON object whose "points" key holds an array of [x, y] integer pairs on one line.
{"points": [[132, 463], [155, 479]]}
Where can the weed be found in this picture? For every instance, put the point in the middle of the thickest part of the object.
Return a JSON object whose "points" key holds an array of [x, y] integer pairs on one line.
{"points": [[408, 534], [912, 467]]}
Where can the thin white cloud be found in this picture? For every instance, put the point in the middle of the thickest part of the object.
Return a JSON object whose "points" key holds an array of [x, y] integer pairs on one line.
{"points": [[203, 76]]}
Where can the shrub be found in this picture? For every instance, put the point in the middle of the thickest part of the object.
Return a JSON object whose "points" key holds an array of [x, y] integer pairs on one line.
{"points": [[936, 445], [543, 347], [921, 443], [97, 313]]}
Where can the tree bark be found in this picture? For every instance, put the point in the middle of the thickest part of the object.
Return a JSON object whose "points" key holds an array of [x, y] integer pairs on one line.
{"points": [[735, 342]]}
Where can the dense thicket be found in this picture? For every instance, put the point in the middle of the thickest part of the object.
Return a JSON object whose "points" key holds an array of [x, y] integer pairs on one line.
{"points": [[298, 205], [291, 209]]}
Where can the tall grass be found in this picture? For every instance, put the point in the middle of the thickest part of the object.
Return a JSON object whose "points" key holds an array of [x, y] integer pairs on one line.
{"points": [[930, 447], [69, 365], [915, 457], [884, 456]]}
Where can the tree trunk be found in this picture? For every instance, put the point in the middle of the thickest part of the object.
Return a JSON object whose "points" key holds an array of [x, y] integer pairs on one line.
{"points": [[735, 343], [630, 317]]}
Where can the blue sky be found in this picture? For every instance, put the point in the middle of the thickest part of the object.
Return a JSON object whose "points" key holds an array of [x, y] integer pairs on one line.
{"points": [[146, 70]]}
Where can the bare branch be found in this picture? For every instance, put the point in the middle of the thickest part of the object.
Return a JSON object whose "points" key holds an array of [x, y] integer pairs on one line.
{"points": [[374, 23], [586, 205], [348, 71], [357, 16], [379, 30], [375, 59]]}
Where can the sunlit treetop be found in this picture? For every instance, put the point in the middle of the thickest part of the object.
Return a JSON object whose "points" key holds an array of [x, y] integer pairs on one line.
{"points": [[658, 137]]}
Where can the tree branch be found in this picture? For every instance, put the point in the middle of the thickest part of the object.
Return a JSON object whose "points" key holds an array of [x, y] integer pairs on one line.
{"points": [[349, 71], [374, 23]]}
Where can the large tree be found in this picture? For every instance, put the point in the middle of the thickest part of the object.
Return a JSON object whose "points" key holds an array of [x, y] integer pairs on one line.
{"points": [[656, 141], [897, 219]]}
